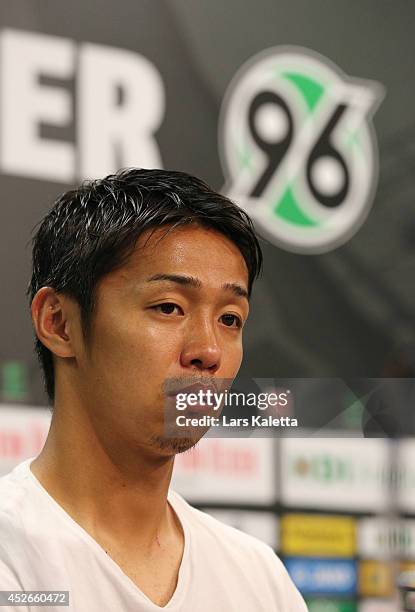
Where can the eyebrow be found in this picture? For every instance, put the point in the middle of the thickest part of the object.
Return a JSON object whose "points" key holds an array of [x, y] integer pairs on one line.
{"points": [[195, 283]]}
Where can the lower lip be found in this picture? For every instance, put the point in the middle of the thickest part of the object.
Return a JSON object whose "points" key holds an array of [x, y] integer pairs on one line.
{"points": [[197, 409]]}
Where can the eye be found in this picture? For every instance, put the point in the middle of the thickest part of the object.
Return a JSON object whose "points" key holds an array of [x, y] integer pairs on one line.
{"points": [[231, 320], [167, 308]]}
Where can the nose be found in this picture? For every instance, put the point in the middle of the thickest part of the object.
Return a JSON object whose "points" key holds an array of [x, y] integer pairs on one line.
{"points": [[201, 350]]}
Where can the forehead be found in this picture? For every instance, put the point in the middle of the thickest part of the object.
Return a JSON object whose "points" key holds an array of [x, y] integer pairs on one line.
{"points": [[189, 249]]}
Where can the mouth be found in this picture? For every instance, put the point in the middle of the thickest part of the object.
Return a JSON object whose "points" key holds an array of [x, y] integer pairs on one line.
{"points": [[174, 388], [199, 398]]}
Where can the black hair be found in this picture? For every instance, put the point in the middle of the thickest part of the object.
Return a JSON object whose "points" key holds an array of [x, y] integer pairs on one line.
{"points": [[90, 231]]}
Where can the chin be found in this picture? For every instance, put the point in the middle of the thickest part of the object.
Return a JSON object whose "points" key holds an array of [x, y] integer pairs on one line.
{"points": [[173, 446]]}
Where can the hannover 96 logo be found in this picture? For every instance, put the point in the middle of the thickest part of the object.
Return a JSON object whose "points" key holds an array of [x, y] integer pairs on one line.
{"points": [[298, 148]]}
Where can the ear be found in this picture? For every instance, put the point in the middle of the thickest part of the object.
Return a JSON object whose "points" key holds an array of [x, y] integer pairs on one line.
{"points": [[52, 316]]}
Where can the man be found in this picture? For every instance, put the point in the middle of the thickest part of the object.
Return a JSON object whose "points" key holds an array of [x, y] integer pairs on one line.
{"points": [[140, 278]]}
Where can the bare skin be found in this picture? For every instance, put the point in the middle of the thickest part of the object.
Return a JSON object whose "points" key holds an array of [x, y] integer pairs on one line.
{"points": [[105, 460]]}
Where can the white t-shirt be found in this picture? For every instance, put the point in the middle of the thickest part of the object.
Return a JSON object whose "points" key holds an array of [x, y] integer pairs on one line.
{"points": [[43, 548]]}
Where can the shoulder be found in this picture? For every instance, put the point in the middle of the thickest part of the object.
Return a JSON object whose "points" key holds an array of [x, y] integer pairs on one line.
{"points": [[10, 489], [208, 526], [241, 546], [241, 550], [14, 489], [15, 504]]}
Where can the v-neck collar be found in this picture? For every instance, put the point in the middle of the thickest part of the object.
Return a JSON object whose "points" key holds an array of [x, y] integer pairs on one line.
{"points": [[183, 579]]}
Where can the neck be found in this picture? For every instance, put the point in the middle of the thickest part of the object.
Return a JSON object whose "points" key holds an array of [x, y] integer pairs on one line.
{"points": [[120, 493]]}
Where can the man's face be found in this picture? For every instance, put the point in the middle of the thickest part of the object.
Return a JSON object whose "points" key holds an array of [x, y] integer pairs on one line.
{"points": [[175, 310]]}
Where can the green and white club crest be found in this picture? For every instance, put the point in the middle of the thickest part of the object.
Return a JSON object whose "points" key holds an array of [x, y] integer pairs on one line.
{"points": [[298, 148]]}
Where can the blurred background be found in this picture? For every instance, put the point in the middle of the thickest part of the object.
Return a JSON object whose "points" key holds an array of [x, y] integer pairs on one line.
{"points": [[303, 112]]}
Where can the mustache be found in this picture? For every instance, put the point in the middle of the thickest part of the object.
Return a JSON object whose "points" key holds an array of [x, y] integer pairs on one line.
{"points": [[174, 385]]}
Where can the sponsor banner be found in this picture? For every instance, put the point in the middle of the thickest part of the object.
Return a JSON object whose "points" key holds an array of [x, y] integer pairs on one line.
{"points": [[324, 536], [335, 473], [262, 525], [375, 579], [23, 432], [227, 470], [379, 538], [331, 605], [377, 605], [323, 576]]}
